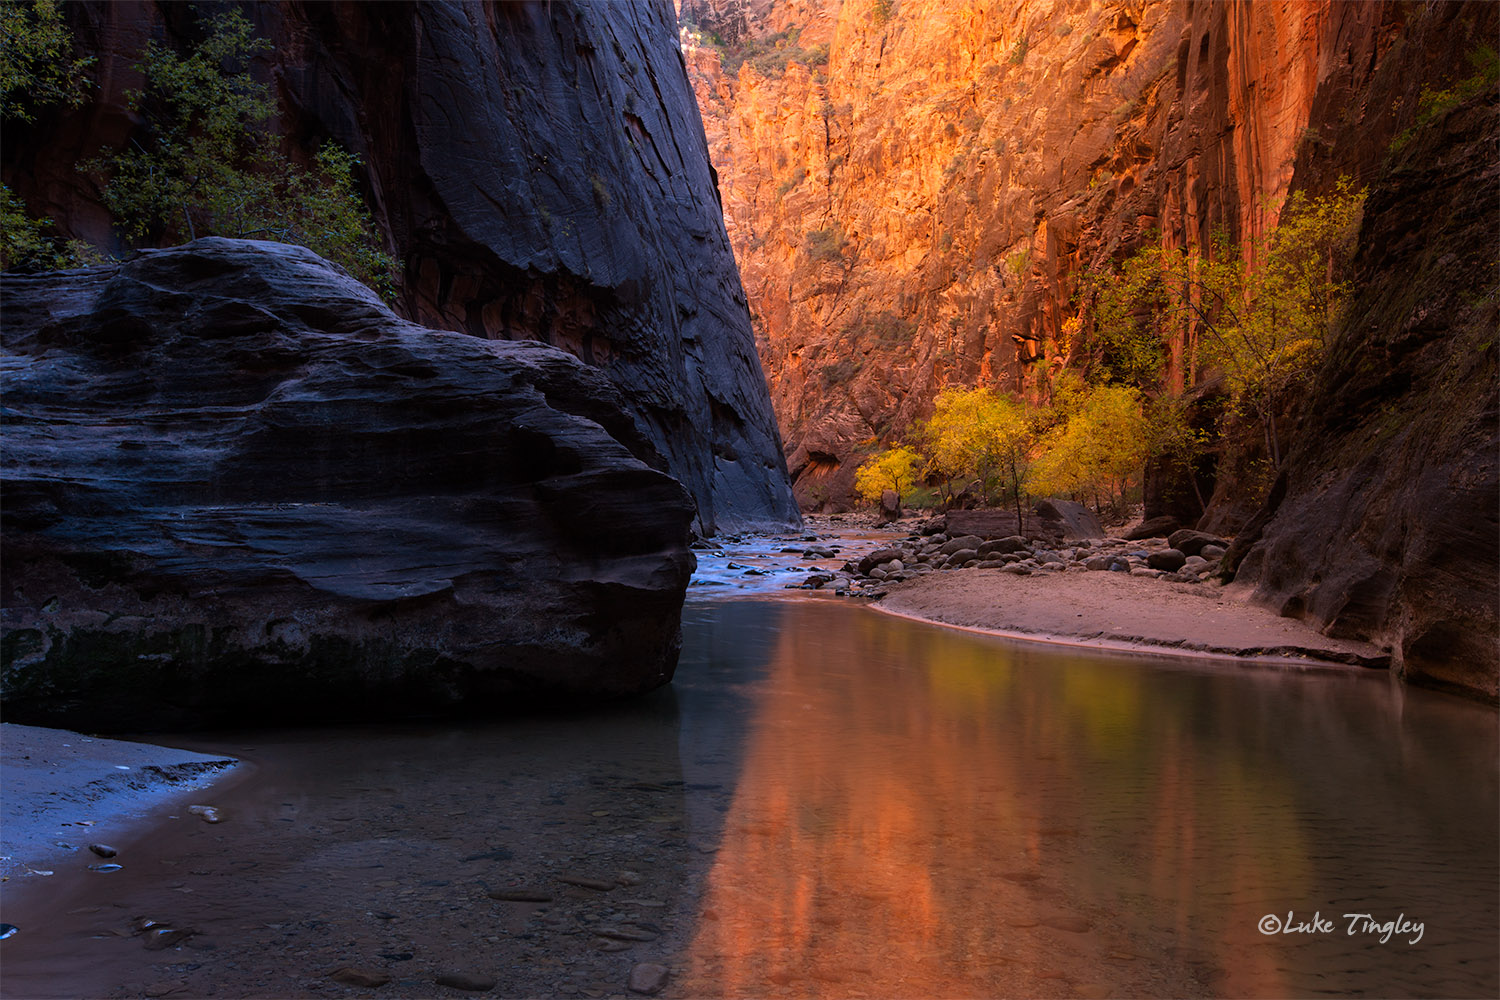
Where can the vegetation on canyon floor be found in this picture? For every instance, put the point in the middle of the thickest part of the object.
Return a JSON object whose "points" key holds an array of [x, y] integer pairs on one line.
{"points": [[1255, 318], [205, 163]]}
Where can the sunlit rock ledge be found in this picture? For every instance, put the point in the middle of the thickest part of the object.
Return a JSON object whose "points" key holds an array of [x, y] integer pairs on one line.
{"points": [[238, 487]]}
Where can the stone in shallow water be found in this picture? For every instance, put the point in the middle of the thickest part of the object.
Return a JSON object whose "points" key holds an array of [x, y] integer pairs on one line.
{"points": [[586, 882], [520, 895], [648, 978], [474, 982], [363, 978]]}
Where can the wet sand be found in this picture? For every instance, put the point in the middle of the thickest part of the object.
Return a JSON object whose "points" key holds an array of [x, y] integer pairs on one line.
{"points": [[1118, 611], [66, 790], [541, 857]]}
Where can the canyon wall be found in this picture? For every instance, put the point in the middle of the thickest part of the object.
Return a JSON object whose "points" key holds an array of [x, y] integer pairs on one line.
{"points": [[539, 171], [915, 188], [1386, 524]]}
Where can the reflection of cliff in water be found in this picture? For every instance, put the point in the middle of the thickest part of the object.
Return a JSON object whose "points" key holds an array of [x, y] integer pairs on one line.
{"points": [[927, 813]]}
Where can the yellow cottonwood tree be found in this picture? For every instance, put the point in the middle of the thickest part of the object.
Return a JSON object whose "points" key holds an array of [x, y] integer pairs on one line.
{"points": [[979, 436], [894, 469], [1098, 451], [1260, 314]]}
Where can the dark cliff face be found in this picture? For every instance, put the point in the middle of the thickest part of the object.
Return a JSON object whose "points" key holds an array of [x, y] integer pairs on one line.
{"points": [[1390, 523], [237, 487], [539, 170]]}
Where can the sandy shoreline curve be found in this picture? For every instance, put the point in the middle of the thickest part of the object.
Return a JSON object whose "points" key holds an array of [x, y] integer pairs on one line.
{"points": [[1119, 612], [61, 790]]}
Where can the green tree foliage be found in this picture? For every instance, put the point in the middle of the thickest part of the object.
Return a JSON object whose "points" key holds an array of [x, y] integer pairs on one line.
{"points": [[23, 240], [37, 64], [26, 243], [1097, 451], [37, 69], [1172, 436], [208, 164], [894, 469], [1432, 103], [1259, 315]]}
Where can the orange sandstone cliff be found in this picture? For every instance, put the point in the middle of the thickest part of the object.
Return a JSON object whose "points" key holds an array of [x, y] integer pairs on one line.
{"points": [[914, 188]]}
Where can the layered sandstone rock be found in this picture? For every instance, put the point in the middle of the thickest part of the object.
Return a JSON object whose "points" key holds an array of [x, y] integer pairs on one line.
{"points": [[237, 487], [539, 171]]}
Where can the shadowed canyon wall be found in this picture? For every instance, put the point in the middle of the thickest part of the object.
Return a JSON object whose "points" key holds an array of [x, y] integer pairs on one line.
{"points": [[539, 171], [914, 188], [1386, 524]]}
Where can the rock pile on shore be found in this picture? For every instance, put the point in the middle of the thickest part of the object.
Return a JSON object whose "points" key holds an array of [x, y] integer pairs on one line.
{"points": [[1186, 556]]}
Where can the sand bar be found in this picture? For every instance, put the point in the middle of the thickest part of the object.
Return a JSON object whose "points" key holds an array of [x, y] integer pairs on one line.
{"points": [[1118, 611]]}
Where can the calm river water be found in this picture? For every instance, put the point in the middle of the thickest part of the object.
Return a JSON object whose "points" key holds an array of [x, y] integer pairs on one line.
{"points": [[833, 802]]}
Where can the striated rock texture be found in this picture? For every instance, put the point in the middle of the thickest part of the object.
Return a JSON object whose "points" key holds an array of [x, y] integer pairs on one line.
{"points": [[914, 188], [1387, 522], [539, 170], [237, 487]]}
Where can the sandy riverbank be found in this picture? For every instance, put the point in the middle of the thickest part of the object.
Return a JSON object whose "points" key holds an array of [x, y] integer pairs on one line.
{"points": [[1116, 610], [63, 791]]}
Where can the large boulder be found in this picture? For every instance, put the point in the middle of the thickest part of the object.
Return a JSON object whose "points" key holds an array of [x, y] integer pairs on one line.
{"points": [[239, 488], [1155, 527], [1190, 541], [1075, 519]]}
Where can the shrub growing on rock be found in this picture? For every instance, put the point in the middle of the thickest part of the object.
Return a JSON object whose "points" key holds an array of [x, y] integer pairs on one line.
{"points": [[207, 163]]}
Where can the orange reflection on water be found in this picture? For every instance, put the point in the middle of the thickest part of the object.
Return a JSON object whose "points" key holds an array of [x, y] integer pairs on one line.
{"points": [[918, 816], [878, 842]]}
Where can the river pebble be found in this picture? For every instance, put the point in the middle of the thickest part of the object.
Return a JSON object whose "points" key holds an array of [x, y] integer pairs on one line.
{"points": [[585, 882], [209, 814], [363, 978], [474, 982], [103, 850], [648, 978], [520, 895]]}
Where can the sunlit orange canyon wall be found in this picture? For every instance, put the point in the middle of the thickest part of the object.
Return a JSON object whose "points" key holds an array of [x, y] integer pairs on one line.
{"points": [[914, 188]]}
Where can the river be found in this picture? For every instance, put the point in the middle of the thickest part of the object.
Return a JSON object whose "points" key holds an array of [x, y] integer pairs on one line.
{"points": [[831, 802]]}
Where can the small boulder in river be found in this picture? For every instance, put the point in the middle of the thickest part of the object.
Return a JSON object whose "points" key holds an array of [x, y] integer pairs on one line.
{"points": [[648, 978], [473, 982], [961, 542], [879, 556], [1011, 543], [366, 979]]}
